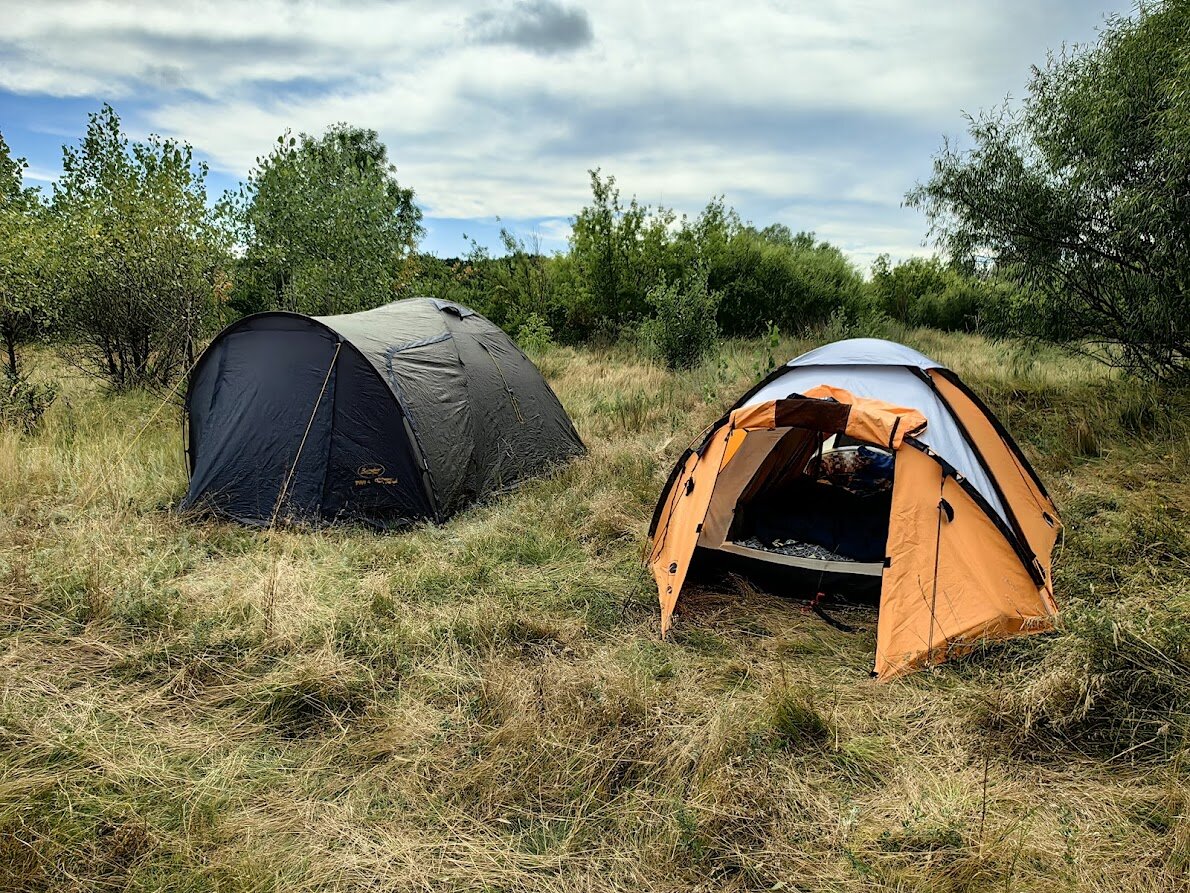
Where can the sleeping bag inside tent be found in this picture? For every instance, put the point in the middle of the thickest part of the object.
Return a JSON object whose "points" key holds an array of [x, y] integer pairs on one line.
{"points": [[866, 466], [405, 413]]}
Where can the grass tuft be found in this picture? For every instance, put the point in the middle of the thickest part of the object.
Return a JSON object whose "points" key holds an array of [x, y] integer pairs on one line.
{"points": [[318, 695], [797, 722]]}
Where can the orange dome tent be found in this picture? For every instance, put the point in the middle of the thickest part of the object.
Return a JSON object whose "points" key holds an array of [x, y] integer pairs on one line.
{"points": [[866, 462]]}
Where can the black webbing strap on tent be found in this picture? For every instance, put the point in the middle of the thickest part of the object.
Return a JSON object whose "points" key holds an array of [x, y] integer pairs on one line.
{"points": [[816, 606]]}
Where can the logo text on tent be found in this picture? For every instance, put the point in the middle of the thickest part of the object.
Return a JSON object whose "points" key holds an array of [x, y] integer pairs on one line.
{"points": [[372, 474]]}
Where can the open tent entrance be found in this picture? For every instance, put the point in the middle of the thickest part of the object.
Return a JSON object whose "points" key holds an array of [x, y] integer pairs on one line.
{"points": [[803, 512]]}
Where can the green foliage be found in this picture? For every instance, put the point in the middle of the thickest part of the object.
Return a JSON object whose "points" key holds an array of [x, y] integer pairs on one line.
{"points": [[795, 282], [522, 284], [445, 279], [140, 261], [928, 292], [617, 253], [26, 255], [326, 227], [514, 287], [771, 275], [23, 402], [623, 251], [535, 335], [1081, 194], [854, 321], [683, 329]]}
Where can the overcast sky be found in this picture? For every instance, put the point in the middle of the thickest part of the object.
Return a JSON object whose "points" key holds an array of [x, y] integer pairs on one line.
{"points": [[816, 115]]}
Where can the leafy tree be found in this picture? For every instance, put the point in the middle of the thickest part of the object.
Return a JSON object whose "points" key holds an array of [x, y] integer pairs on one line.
{"points": [[26, 309], [26, 306], [897, 288], [617, 251], [324, 224], [1083, 194], [780, 234], [141, 259], [449, 279], [704, 242]]}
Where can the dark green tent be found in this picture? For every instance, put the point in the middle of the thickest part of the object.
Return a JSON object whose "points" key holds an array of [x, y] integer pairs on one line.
{"points": [[405, 413]]}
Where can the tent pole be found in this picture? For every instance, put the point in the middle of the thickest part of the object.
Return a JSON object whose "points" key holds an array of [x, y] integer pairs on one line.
{"points": [[305, 434]]}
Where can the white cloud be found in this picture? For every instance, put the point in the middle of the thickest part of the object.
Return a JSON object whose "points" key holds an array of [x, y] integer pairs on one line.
{"points": [[499, 108], [39, 175]]}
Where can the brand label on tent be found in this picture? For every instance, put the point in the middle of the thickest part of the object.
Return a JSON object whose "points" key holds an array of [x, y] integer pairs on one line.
{"points": [[372, 474]]}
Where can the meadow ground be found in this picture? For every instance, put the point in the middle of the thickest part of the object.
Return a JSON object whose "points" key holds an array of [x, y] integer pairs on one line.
{"points": [[488, 705]]}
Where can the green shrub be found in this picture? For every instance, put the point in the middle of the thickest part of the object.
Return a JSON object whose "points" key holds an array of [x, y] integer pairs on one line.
{"points": [[535, 334], [605, 288], [853, 321], [684, 329], [928, 292], [24, 402], [792, 282]]}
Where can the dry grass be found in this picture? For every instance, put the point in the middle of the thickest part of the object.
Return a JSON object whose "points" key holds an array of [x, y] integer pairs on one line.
{"points": [[488, 705]]}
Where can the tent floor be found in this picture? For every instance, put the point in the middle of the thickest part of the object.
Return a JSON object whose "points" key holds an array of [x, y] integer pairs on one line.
{"points": [[785, 580], [806, 556]]}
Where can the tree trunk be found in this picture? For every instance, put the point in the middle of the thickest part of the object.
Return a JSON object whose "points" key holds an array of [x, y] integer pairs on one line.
{"points": [[10, 343]]}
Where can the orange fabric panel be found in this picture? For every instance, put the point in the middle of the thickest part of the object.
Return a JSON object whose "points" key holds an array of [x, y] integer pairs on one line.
{"points": [[981, 589], [1026, 501], [671, 499], [762, 415], [677, 532], [734, 442], [688, 502], [873, 421]]}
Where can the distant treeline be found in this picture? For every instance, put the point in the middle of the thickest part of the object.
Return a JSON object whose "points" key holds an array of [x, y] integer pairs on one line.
{"points": [[627, 263], [1065, 222], [128, 263]]}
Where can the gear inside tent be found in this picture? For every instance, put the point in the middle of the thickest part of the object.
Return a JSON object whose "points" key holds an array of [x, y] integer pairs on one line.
{"points": [[864, 466], [405, 413]]}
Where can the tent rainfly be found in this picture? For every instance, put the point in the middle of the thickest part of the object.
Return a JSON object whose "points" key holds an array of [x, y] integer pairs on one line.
{"points": [[404, 413], [864, 464]]}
